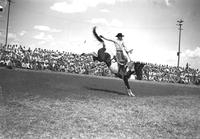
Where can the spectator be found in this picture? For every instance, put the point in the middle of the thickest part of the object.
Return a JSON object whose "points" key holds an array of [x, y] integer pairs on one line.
{"points": [[42, 59]]}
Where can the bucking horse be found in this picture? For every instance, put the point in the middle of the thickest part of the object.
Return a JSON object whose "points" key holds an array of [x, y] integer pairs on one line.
{"points": [[113, 64]]}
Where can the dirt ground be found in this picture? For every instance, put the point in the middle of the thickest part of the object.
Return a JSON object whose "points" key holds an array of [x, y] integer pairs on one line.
{"points": [[58, 105]]}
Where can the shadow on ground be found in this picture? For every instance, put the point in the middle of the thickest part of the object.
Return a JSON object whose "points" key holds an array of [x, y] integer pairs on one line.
{"points": [[105, 90]]}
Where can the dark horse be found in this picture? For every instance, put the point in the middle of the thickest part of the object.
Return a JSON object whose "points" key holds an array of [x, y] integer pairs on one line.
{"points": [[125, 72]]}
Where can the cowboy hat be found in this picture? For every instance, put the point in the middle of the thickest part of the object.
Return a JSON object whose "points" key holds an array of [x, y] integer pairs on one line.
{"points": [[119, 35]]}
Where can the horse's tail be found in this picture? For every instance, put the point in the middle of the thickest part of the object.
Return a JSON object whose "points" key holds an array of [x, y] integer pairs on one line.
{"points": [[96, 35]]}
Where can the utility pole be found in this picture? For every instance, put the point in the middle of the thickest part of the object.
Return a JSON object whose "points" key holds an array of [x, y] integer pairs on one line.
{"points": [[8, 16], [180, 23]]}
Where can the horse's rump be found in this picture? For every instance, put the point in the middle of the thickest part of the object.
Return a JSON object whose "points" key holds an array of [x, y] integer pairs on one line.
{"points": [[104, 56]]}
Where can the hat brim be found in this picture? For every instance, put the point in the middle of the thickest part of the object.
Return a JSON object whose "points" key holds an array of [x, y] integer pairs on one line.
{"points": [[119, 36]]}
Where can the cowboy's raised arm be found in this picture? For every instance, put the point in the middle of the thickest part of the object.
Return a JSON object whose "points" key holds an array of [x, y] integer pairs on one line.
{"points": [[107, 39]]}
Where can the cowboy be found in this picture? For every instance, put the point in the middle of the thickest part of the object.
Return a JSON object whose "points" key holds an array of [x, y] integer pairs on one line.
{"points": [[119, 45]]}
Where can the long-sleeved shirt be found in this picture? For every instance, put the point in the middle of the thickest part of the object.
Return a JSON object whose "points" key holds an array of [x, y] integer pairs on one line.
{"points": [[119, 45]]}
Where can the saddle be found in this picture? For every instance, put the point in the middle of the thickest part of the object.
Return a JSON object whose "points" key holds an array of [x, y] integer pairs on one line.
{"points": [[120, 62]]}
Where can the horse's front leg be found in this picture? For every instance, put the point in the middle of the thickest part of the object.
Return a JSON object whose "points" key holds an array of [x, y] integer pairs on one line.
{"points": [[129, 73], [130, 93]]}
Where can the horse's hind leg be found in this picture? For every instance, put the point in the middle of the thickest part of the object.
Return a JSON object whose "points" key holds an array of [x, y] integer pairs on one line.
{"points": [[99, 55]]}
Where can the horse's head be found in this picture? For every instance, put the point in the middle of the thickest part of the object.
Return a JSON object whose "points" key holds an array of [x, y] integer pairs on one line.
{"points": [[135, 68], [138, 66]]}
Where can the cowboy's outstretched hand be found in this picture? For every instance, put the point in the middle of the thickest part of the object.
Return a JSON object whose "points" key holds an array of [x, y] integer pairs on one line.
{"points": [[130, 51]]}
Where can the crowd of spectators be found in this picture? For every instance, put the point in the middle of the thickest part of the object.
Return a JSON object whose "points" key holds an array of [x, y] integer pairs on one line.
{"points": [[165, 73], [17, 56]]}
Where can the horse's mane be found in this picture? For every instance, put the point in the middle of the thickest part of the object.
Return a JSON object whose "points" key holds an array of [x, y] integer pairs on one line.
{"points": [[96, 35]]}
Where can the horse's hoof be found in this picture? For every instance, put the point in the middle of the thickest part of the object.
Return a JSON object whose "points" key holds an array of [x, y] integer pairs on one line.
{"points": [[130, 93], [94, 54]]}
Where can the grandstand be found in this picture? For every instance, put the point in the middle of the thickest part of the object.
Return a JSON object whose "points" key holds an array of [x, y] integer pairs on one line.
{"points": [[17, 56]]}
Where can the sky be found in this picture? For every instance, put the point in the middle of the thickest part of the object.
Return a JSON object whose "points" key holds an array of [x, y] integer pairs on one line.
{"points": [[149, 27]]}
